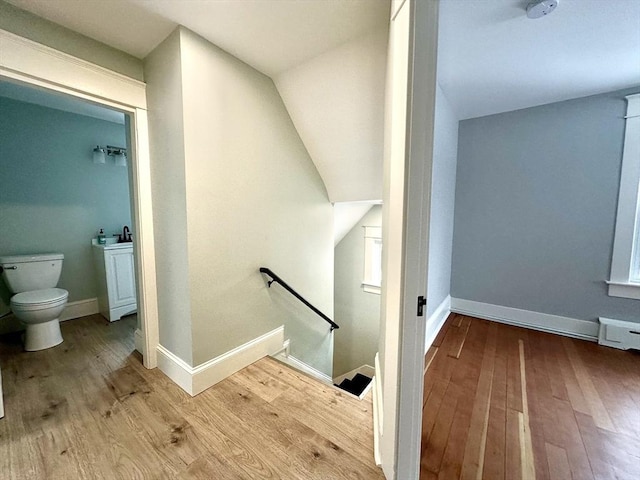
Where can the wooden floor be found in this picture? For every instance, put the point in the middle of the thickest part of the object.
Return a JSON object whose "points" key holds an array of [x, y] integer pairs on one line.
{"points": [[507, 403], [88, 409]]}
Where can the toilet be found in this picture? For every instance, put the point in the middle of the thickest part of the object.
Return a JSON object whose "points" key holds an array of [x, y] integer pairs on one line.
{"points": [[36, 303]]}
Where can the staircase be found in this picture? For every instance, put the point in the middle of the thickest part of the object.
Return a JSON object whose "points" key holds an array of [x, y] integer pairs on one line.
{"points": [[359, 385]]}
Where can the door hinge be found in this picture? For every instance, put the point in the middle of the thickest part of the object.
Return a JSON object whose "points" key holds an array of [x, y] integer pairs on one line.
{"points": [[421, 303]]}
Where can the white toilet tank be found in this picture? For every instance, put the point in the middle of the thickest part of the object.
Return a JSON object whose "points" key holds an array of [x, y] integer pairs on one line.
{"points": [[24, 273]]}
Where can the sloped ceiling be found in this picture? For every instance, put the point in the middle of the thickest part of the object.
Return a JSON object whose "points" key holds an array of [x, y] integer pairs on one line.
{"points": [[336, 101], [271, 36], [326, 57]]}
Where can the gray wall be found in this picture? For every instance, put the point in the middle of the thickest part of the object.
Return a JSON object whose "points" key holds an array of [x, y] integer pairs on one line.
{"points": [[53, 198], [536, 199], [357, 312], [445, 152], [28, 25]]}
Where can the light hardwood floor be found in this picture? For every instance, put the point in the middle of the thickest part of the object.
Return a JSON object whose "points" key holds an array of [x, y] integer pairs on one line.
{"points": [[503, 402], [88, 409]]}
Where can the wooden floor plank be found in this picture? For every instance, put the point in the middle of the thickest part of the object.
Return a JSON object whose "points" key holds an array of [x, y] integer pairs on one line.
{"points": [[558, 463], [428, 358], [494, 462], [513, 465], [434, 447], [603, 445], [543, 406], [596, 407], [431, 407], [460, 333], [476, 442], [89, 409]]}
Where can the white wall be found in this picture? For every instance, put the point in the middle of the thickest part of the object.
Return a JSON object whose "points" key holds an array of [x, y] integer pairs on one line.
{"points": [[345, 217], [443, 190], [336, 101], [163, 71], [246, 195], [357, 311]]}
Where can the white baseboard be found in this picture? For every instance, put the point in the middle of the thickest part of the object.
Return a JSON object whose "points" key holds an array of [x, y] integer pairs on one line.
{"points": [[569, 327], [139, 340], [293, 362], [176, 369], [195, 380], [377, 412], [436, 321], [80, 308]]}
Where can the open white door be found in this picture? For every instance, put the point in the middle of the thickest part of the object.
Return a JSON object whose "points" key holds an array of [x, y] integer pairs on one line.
{"points": [[410, 102]]}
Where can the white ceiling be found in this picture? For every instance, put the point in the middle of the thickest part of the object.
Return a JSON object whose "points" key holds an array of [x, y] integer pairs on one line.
{"points": [[492, 58], [327, 58], [271, 36], [118, 23]]}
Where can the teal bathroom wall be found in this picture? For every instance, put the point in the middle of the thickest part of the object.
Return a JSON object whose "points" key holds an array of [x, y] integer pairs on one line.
{"points": [[53, 198]]}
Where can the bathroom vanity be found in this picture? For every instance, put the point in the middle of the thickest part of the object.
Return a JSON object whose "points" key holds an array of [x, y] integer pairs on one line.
{"points": [[116, 279]]}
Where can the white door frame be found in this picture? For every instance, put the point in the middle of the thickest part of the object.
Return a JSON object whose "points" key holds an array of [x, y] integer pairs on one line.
{"points": [[408, 164], [41, 66]]}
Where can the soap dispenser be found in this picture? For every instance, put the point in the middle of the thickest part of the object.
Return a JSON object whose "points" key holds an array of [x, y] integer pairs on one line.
{"points": [[102, 239]]}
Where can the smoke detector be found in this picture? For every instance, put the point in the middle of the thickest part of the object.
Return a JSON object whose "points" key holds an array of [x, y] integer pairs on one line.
{"points": [[541, 8]]}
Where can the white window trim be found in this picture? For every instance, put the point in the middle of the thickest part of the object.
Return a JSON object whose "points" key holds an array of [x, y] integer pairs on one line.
{"points": [[626, 244], [369, 283]]}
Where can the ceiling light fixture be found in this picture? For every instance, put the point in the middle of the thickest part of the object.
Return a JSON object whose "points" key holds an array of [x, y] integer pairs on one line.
{"points": [[541, 8]]}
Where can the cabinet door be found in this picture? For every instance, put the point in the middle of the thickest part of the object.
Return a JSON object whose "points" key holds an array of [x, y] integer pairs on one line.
{"points": [[121, 280]]}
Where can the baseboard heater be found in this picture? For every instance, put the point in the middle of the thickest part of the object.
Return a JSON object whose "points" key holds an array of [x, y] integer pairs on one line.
{"points": [[619, 334]]}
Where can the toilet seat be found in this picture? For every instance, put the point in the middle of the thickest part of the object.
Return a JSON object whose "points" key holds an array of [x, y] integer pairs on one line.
{"points": [[39, 299]]}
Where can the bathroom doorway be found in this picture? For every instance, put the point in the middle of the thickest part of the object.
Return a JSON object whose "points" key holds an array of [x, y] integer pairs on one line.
{"points": [[35, 65], [58, 195]]}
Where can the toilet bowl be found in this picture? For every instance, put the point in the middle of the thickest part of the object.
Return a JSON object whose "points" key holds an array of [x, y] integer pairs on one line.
{"points": [[39, 311], [36, 303]]}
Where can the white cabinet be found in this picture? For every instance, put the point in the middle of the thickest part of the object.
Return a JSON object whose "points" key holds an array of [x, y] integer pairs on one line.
{"points": [[116, 279]]}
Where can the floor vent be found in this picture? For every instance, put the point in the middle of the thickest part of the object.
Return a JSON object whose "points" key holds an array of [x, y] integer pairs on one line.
{"points": [[619, 334]]}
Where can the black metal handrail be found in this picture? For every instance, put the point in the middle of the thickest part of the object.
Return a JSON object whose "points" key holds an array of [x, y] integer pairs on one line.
{"points": [[285, 285]]}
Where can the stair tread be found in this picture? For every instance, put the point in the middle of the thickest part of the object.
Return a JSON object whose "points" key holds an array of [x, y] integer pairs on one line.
{"points": [[356, 385], [361, 380], [345, 384]]}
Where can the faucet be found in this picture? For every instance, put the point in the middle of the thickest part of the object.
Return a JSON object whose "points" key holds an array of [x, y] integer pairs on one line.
{"points": [[126, 236]]}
